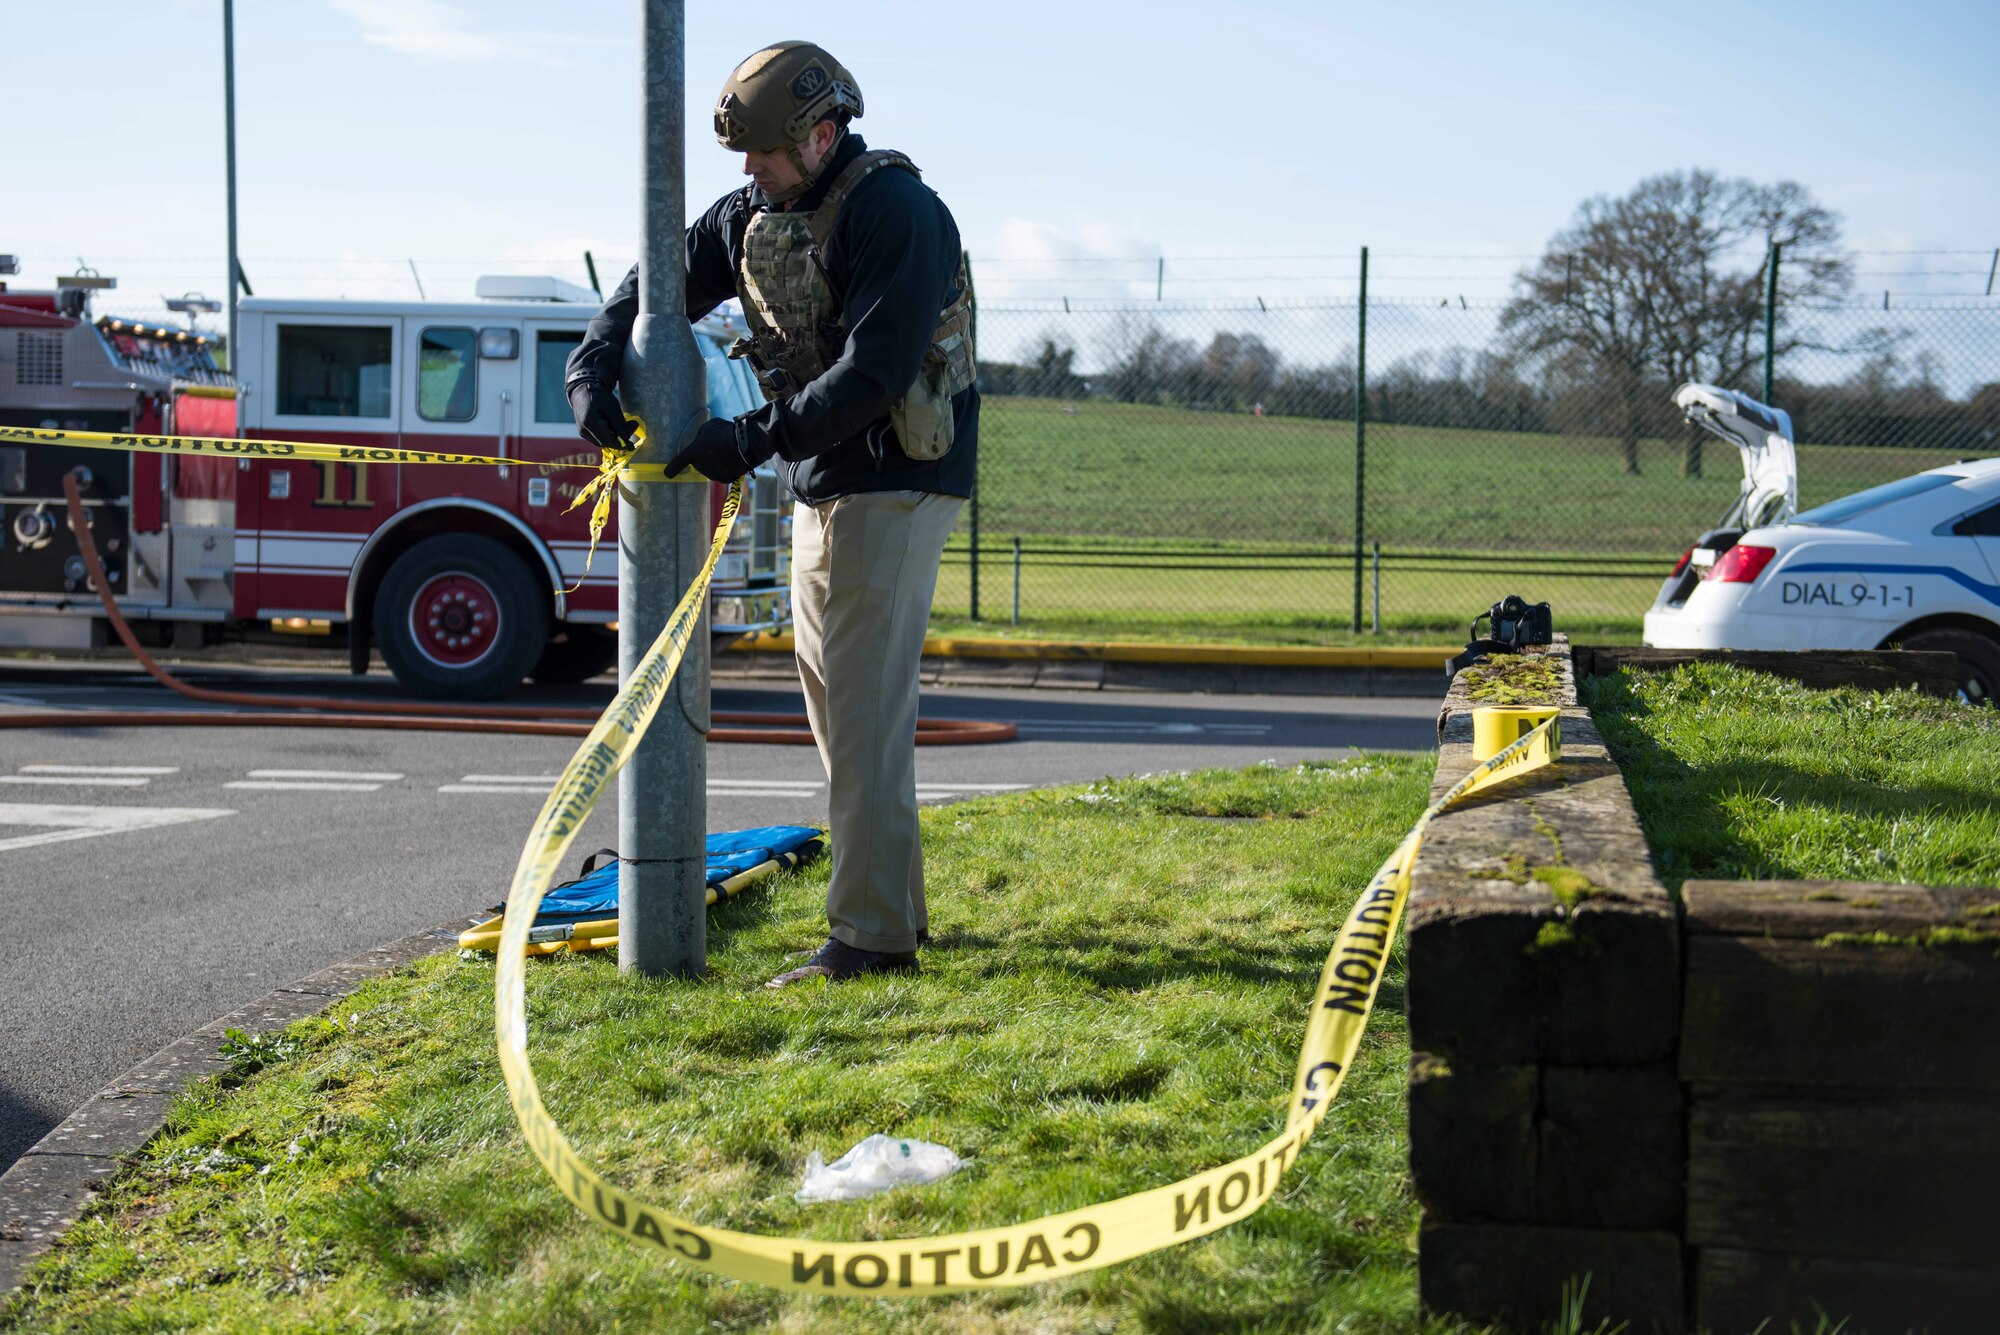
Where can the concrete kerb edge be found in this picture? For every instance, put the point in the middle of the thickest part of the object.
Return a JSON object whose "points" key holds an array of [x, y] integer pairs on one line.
{"points": [[1098, 674], [46, 1190]]}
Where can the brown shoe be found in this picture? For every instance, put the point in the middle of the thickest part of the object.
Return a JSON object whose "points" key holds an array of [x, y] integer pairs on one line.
{"points": [[836, 961]]}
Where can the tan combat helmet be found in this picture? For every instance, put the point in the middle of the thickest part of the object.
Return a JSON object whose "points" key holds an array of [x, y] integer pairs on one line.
{"points": [[773, 99]]}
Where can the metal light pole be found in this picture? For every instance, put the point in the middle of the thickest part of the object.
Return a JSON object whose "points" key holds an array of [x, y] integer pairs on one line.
{"points": [[663, 533], [229, 158]]}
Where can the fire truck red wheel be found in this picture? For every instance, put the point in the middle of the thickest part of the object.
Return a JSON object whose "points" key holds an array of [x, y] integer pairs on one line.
{"points": [[459, 616]]}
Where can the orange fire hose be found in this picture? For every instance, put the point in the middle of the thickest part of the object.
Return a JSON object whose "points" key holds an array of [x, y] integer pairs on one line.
{"points": [[329, 712]]}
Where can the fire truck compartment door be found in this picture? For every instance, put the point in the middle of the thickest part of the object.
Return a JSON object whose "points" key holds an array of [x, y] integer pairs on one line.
{"points": [[549, 436], [457, 399]]}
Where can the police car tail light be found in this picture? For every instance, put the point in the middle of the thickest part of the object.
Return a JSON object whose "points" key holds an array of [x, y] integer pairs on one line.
{"points": [[1741, 564], [1682, 564]]}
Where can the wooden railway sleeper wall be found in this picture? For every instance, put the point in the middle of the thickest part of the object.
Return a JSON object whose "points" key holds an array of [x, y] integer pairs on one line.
{"points": [[1693, 1102]]}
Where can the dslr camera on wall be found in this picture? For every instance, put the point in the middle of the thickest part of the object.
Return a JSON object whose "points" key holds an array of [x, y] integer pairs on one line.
{"points": [[1512, 624]]}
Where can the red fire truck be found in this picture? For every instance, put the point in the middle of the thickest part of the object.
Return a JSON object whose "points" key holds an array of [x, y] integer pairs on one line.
{"points": [[465, 578]]}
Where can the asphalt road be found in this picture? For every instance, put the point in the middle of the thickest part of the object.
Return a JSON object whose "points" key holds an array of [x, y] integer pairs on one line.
{"points": [[152, 879]]}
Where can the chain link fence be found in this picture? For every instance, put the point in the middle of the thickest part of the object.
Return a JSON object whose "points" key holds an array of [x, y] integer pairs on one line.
{"points": [[1294, 473], [1169, 456]]}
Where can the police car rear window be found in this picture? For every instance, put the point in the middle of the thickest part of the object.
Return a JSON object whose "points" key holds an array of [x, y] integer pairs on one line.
{"points": [[1847, 507]]}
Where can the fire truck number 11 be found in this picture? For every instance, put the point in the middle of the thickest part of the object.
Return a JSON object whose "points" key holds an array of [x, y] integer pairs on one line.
{"points": [[329, 488]]}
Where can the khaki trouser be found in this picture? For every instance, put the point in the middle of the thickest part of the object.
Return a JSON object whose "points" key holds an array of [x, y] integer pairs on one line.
{"points": [[864, 568]]}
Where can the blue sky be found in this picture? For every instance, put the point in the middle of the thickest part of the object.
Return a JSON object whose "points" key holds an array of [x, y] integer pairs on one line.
{"points": [[504, 135]]}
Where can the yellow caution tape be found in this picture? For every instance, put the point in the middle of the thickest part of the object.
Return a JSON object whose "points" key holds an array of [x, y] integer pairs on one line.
{"points": [[613, 467], [1047, 1248], [247, 448], [1497, 727]]}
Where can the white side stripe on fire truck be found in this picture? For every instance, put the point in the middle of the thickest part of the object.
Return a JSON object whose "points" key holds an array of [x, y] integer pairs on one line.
{"points": [[302, 553]]}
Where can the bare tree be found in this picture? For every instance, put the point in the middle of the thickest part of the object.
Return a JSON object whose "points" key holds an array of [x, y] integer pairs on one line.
{"points": [[1145, 364], [1667, 284]]}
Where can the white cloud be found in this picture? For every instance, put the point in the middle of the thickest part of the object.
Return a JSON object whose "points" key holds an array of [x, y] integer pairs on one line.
{"points": [[1088, 259], [1026, 239], [441, 34]]}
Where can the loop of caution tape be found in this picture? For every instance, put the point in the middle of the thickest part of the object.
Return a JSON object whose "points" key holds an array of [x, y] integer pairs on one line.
{"points": [[1048, 1248], [613, 467]]}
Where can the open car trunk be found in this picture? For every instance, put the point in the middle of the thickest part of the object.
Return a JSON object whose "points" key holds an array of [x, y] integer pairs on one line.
{"points": [[1770, 490]]}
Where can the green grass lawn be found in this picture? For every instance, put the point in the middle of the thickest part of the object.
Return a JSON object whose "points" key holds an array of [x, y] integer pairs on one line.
{"points": [[1071, 595], [1740, 775], [1134, 476], [1115, 999], [1095, 468]]}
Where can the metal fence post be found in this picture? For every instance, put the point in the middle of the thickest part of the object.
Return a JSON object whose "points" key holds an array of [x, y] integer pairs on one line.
{"points": [[662, 536], [973, 513], [1360, 432], [1017, 582], [1771, 318], [972, 506], [1376, 549]]}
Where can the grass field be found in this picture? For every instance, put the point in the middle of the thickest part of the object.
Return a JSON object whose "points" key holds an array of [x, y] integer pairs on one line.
{"points": [[1740, 775], [1057, 472], [1109, 470], [1070, 593], [1115, 997]]}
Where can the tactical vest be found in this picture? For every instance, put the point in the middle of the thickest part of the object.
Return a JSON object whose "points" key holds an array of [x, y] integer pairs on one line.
{"points": [[795, 315]]}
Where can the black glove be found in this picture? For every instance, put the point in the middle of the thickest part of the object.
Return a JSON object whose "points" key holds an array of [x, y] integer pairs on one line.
{"points": [[599, 416], [715, 452]]}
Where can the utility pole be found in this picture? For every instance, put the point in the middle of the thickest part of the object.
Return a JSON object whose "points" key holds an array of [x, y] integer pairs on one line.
{"points": [[663, 534], [229, 160]]}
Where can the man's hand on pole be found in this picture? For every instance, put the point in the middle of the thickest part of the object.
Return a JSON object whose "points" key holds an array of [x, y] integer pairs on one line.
{"points": [[715, 451], [600, 418]]}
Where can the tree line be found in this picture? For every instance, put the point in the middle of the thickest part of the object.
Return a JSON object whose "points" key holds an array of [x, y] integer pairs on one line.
{"points": [[1634, 297]]}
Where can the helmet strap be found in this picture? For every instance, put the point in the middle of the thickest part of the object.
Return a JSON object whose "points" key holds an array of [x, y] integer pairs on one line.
{"points": [[807, 179]]}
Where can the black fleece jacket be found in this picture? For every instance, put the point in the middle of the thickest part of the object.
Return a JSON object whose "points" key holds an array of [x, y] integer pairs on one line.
{"points": [[893, 259]]}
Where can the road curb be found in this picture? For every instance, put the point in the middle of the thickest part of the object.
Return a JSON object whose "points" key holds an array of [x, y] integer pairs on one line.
{"points": [[1211, 669], [1427, 658], [47, 1189]]}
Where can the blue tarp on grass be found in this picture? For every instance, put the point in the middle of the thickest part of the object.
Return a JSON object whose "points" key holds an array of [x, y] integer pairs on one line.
{"points": [[730, 852]]}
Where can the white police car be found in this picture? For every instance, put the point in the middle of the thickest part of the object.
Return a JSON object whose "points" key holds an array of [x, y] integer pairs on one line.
{"points": [[1914, 563]]}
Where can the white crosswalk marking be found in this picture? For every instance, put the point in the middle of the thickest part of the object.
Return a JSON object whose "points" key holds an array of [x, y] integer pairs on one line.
{"points": [[76, 780], [762, 792], [355, 776], [88, 776], [804, 785], [313, 781], [90, 822]]}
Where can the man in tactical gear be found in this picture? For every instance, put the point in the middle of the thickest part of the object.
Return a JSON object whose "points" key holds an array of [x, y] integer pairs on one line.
{"points": [[849, 273]]}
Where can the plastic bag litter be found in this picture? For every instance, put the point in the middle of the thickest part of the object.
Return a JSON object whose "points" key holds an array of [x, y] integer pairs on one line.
{"points": [[875, 1165]]}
